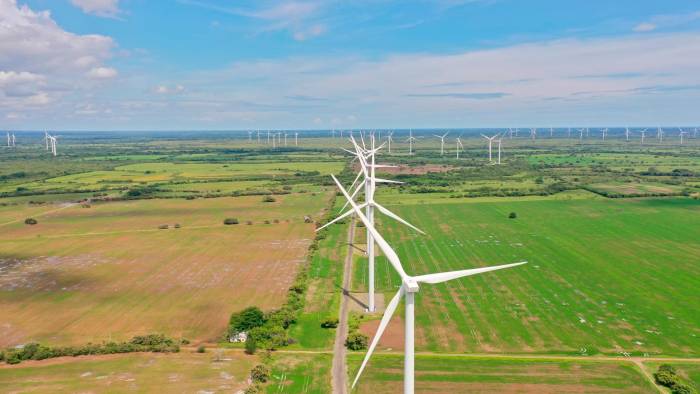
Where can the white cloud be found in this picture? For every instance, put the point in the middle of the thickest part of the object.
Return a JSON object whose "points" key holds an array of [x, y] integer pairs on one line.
{"points": [[41, 62], [102, 73], [645, 27], [103, 8], [164, 89]]}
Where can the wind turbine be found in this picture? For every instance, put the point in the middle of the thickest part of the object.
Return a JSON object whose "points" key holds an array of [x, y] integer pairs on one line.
{"points": [[442, 142], [604, 132], [296, 138], [9, 144], [490, 139], [569, 131], [250, 136], [644, 134], [268, 137], [660, 134], [681, 134], [410, 285], [14, 140], [285, 139], [551, 132], [499, 150], [627, 134], [46, 139], [410, 140], [368, 170], [510, 132], [389, 140], [258, 136], [53, 144], [533, 133], [580, 135], [459, 146]]}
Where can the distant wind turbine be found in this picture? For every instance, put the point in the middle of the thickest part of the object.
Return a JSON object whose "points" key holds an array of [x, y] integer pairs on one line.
{"points": [[411, 139], [490, 140], [442, 142], [459, 146], [533, 133]]}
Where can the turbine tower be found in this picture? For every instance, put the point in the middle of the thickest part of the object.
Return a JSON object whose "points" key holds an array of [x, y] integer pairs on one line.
{"points": [[389, 140], [533, 133], [681, 134], [644, 134], [296, 138], [459, 147], [499, 150], [410, 285], [604, 132], [442, 142], [660, 134], [627, 134]]}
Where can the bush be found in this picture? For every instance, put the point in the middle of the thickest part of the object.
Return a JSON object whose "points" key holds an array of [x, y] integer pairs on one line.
{"points": [[30, 221], [330, 323], [163, 227], [201, 349], [268, 199], [512, 215], [666, 376], [248, 222], [177, 225], [230, 221], [251, 346], [356, 341], [260, 373]]}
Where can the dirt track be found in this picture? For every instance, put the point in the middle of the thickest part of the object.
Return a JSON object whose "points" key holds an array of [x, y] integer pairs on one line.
{"points": [[339, 375]]}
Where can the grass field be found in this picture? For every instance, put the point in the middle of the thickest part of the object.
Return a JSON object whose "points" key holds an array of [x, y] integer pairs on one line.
{"points": [[300, 373], [444, 374], [139, 372], [605, 276], [88, 274]]}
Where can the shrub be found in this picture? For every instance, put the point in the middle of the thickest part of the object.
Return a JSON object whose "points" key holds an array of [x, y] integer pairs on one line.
{"points": [[254, 389], [268, 199], [163, 227], [30, 221], [666, 376], [201, 349], [331, 322], [177, 225], [260, 373], [251, 346], [356, 341], [248, 222], [276, 221], [512, 215], [230, 221]]}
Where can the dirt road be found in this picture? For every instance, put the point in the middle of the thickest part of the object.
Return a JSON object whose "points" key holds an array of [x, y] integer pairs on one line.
{"points": [[339, 375]]}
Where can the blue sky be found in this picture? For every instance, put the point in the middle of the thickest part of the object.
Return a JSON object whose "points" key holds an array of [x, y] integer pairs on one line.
{"points": [[214, 64]]}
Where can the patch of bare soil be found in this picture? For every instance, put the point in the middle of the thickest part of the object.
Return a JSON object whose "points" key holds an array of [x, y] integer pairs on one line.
{"points": [[411, 170], [393, 337]]}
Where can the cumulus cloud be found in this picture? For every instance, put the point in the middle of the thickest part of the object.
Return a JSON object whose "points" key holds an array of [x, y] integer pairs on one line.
{"points": [[40, 61], [103, 8]]}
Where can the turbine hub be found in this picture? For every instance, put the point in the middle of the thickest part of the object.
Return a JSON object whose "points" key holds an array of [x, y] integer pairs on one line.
{"points": [[411, 285]]}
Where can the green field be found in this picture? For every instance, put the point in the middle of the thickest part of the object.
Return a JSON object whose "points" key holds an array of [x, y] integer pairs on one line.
{"points": [[605, 276], [444, 374], [300, 373]]}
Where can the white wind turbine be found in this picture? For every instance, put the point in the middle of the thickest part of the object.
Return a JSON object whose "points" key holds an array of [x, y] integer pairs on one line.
{"points": [[533, 133], [551, 132], [9, 144], [442, 142], [500, 140], [14, 140], [53, 145], [410, 285], [660, 134], [285, 139], [389, 140], [681, 134], [459, 147], [368, 170], [644, 134], [569, 132], [258, 137], [46, 139], [604, 132], [411, 139], [627, 133], [268, 137], [580, 134], [490, 140], [296, 138], [510, 132], [250, 136]]}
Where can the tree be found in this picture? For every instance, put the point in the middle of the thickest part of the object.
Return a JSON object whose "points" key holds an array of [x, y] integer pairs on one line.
{"points": [[30, 221], [246, 319], [356, 341], [331, 322], [512, 215], [269, 199], [230, 221]]}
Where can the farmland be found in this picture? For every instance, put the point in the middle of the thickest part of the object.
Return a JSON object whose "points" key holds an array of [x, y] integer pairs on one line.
{"points": [[580, 292], [130, 240]]}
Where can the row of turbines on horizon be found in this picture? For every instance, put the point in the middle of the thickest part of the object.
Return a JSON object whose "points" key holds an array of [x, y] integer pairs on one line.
{"points": [[49, 140]]}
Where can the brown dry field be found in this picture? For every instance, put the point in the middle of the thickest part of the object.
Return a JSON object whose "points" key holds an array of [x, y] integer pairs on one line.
{"points": [[214, 371], [91, 274], [411, 170]]}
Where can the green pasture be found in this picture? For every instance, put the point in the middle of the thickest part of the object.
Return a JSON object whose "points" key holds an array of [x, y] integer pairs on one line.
{"points": [[448, 374], [604, 276], [300, 373]]}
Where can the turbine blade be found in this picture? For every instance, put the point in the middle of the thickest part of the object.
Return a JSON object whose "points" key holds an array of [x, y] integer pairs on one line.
{"points": [[353, 195], [390, 309], [396, 217], [381, 180], [389, 253], [357, 178], [341, 217], [446, 276]]}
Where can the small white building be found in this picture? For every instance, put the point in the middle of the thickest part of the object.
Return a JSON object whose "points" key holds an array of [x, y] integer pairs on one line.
{"points": [[240, 337]]}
